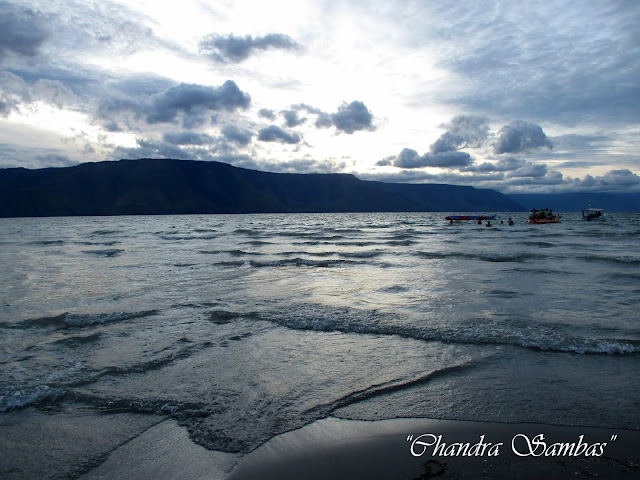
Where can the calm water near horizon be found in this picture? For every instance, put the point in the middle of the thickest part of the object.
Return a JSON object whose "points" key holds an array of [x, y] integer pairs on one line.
{"points": [[242, 327]]}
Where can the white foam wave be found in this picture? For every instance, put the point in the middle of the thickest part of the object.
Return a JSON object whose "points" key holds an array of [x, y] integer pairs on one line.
{"points": [[23, 398]]}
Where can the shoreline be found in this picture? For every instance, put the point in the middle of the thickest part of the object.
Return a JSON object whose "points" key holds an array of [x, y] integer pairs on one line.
{"points": [[345, 449]]}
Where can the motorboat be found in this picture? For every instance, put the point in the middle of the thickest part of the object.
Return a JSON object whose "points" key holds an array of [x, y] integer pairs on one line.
{"points": [[590, 214], [543, 216]]}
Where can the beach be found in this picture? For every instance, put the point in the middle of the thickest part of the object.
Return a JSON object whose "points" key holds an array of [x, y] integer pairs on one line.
{"points": [[317, 346]]}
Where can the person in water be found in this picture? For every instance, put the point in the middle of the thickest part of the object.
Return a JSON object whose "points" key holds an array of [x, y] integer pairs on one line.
{"points": [[489, 223], [510, 222]]}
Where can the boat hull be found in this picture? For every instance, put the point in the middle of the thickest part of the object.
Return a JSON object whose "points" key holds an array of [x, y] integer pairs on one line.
{"points": [[555, 219]]}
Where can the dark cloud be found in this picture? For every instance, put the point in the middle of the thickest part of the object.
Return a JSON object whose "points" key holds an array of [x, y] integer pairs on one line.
{"points": [[409, 158], [239, 136], [268, 114], [352, 117], [521, 136], [349, 118], [273, 133], [187, 138], [194, 100], [292, 118], [229, 48], [386, 162], [22, 31], [529, 169], [619, 177], [158, 100], [463, 131]]}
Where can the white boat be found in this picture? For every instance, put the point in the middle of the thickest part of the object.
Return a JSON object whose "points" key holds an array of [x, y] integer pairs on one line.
{"points": [[590, 214]]}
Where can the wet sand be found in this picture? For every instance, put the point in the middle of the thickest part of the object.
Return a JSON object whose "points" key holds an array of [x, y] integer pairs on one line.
{"points": [[83, 445]]}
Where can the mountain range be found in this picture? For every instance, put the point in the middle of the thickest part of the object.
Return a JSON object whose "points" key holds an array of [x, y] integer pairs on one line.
{"points": [[166, 186]]}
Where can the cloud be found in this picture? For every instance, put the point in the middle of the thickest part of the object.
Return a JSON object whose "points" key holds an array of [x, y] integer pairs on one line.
{"points": [[240, 137], [268, 114], [529, 169], [463, 131], [187, 138], [232, 49], [350, 117], [521, 136], [386, 162], [194, 100], [159, 100], [558, 65], [619, 177], [409, 158], [292, 166], [22, 31], [14, 91], [273, 133], [292, 118]]}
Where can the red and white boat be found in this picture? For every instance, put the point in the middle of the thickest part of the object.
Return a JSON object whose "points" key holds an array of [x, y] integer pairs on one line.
{"points": [[543, 216]]}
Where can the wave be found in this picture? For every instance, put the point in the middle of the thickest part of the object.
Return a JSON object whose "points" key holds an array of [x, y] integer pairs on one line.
{"points": [[621, 259], [105, 244], [79, 340], [144, 367], [170, 237], [30, 396], [485, 257], [110, 252], [539, 244], [237, 263], [302, 262], [256, 243], [105, 232], [478, 333], [47, 242], [66, 320], [389, 387]]}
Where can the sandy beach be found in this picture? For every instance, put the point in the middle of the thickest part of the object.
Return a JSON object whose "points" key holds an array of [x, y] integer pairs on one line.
{"points": [[329, 448]]}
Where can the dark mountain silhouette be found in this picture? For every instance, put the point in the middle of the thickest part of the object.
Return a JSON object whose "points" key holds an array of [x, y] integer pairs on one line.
{"points": [[149, 186]]}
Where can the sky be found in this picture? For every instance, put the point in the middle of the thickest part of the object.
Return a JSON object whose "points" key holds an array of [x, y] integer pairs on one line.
{"points": [[521, 97]]}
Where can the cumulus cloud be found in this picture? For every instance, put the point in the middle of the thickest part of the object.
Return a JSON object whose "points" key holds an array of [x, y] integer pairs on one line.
{"points": [[409, 158], [273, 133], [521, 136], [292, 118], [350, 117], [619, 177], [238, 136], [160, 101], [232, 49], [22, 31], [463, 131], [194, 100], [268, 114]]}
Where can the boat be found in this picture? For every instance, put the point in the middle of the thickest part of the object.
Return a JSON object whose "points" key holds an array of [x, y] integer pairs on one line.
{"points": [[470, 217], [593, 214], [543, 216]]}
